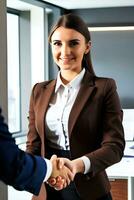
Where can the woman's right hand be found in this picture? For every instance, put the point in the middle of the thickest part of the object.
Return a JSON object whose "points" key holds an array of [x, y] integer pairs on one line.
{"points": [[61, 175]]}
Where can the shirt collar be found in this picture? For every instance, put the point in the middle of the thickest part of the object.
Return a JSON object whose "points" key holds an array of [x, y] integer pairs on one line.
{"points": [[74, 83]]}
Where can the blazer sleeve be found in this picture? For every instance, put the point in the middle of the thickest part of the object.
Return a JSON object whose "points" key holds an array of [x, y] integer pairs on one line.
{"points": [[33, 143], [17, 168], [113, 143]]}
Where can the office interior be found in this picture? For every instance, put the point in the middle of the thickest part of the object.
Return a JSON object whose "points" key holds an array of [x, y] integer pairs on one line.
{"points": [[25, 58]]}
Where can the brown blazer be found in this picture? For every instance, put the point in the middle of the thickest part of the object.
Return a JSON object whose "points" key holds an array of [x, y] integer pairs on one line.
{"points": [[95, 129]]}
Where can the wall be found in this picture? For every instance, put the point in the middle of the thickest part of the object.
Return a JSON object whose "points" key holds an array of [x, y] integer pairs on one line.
{"points": [[113, 51], [101, 16]]}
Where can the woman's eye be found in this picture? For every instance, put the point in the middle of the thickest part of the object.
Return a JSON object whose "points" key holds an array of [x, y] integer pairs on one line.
{"points": [[73, 43], [57, 43]]}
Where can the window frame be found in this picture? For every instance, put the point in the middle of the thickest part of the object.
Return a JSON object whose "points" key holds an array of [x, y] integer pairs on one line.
{"points": [[17, 13]]}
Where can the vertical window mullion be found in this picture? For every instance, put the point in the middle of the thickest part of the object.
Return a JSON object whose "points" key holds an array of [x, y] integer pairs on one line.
{"points": [[13, 72]]}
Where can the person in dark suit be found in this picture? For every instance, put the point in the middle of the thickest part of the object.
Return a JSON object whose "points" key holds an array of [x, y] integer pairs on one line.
{"points": [[78, 115], [21, 170]]}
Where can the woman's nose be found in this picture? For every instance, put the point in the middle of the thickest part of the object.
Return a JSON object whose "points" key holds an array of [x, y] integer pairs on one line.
{"points": [[65, 50]]}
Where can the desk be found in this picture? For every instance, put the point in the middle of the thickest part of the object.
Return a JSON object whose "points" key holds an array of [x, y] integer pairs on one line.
{"points": [[124, 170]]}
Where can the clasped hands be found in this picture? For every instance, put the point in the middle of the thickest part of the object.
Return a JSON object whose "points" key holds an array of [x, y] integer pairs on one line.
{"points": [[64, 171]]}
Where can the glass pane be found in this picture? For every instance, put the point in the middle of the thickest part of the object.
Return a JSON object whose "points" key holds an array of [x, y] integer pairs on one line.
{"points": [[13, 72]]}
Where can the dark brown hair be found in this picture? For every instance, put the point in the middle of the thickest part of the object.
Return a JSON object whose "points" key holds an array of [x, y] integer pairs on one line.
{"points": [[75, 22]]}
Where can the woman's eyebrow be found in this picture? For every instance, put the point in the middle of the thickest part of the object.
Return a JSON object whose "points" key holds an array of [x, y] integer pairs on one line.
{"points": [[56, 40], [74, 40]]}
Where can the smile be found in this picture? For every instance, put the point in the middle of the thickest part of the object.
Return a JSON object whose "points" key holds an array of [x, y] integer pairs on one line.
{"points": [[66, 59]]}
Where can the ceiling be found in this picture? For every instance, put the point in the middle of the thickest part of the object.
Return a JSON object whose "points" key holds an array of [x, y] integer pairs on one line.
{"points": [[78, 4], [74, 4]]}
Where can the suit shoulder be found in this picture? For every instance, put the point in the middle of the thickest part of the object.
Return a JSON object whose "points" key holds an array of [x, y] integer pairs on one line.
{"points": [[41, 85], [105, 80], [105, 83]]}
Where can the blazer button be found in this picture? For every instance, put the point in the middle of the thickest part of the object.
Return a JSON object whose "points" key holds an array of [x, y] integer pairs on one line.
{"points": [[87, 177]]}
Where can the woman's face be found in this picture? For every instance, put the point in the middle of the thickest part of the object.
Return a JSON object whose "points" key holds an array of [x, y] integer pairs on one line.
{"points": [[68, 48]]}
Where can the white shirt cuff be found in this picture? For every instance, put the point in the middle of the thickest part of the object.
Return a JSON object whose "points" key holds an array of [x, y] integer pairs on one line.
{"points": [[87, 164], [48, 170]]}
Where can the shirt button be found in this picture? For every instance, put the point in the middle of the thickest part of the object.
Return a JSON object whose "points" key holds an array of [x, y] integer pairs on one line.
{"points": [[58, 119]]}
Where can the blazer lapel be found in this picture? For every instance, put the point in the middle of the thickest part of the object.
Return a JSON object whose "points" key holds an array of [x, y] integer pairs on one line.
{"points": [[48, 90], [85, 91], [44, 102]]}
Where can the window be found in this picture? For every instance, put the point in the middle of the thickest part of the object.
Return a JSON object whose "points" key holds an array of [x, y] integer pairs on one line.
{"points": [[28, 58], [13, 72]]}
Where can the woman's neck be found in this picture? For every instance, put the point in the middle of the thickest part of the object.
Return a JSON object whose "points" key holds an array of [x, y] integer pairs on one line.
{"points": [[68, 76]]}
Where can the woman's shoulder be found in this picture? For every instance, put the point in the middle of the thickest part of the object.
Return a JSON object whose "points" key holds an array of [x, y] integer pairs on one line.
{"points": [[99, 79], [42, 85], [106, 83], [104, 80]]}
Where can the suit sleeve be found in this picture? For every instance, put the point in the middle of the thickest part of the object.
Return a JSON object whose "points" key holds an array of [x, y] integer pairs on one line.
{"points": [[113, 142], [33, 143], [17, 168]]}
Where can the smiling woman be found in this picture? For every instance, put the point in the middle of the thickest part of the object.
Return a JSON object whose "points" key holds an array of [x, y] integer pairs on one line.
{"points": [[76, 116]]}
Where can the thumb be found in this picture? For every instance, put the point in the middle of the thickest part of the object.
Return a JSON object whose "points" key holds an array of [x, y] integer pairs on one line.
{"points": [[60, 163], [53, 157]]}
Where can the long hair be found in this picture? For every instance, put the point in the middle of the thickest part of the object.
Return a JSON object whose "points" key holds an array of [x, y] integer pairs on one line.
{"points": [[75, 22]]}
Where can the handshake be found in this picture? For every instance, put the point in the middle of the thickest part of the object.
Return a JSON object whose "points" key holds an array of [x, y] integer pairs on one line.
{"points": [[64, 171]]}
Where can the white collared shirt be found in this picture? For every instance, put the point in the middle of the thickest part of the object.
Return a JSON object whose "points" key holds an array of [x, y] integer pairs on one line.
{"points": [[57, 115]]}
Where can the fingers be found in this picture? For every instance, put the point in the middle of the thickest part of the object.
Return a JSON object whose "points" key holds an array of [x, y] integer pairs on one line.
{"points": [[60, 163], [61, 182], [51, 181], [57, 183], [66, 175], [62, 173], [64, 162], [70, 175]]}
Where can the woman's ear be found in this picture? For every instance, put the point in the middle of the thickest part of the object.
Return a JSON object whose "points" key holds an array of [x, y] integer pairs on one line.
{"points": [[88, 47]]}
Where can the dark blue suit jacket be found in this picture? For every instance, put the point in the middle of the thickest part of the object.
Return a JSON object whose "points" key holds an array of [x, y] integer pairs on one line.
{"points": [[17, 168]]}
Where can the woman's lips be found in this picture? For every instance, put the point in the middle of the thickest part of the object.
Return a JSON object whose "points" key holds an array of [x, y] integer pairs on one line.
{"points": [[66, 60]]}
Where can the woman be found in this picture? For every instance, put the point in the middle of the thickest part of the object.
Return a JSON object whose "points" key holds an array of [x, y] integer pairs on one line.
{"points": [[77, 116]]}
